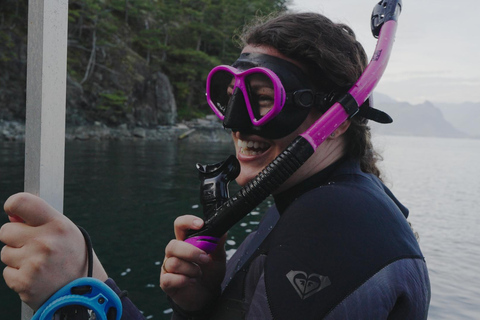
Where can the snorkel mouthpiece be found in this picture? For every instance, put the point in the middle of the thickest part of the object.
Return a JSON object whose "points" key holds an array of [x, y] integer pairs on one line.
{"points": [[214, 180]]}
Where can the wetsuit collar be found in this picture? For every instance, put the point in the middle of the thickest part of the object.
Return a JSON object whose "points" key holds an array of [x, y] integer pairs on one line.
{"points": [[285, 198], [343, 166]]}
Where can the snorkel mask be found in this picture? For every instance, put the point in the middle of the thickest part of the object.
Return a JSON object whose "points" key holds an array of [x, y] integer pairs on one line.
{"points": [[270, 97], [262, 95]]}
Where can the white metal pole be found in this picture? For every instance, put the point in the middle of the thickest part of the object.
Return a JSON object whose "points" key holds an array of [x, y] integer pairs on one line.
{"points": [[46, 95]]}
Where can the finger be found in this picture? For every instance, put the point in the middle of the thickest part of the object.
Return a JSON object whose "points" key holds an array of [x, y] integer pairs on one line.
{"points": [[184, 223], [14, 234], [16, 281], [29, 208], [186, 252], [12, 278], [179, 266], [172, 282], [12, 257]]}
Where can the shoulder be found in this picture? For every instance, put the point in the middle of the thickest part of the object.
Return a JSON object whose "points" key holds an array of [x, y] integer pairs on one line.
{"points": [[353, 212], [354, 203], [331, 240]]}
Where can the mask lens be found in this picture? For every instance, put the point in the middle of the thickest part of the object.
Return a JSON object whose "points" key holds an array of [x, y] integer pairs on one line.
{"points": [[261, 94], [221, 88]]}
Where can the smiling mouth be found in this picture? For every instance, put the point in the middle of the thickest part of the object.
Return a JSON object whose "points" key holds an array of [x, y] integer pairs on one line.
{"points": [[252, 148]]}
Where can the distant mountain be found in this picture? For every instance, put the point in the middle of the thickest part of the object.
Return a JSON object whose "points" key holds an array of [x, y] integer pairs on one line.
{"points": [[463, 116], [414, 120]]}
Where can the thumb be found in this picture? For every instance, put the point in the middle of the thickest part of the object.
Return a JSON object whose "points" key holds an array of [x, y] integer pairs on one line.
{"points": [[29, 208]]}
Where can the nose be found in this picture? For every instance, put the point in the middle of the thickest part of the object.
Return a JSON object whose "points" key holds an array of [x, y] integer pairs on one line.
{"points": [[236, 115]]}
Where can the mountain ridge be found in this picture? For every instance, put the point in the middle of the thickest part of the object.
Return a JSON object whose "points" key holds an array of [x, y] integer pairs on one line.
{"points": [[428, 119]]}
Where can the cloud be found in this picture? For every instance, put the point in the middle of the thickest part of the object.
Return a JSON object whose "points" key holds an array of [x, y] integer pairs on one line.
{"points": [[435, 55]]}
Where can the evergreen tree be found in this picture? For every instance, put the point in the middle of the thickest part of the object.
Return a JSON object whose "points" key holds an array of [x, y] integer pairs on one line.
{"points": [[13, 58], [182, 38]]}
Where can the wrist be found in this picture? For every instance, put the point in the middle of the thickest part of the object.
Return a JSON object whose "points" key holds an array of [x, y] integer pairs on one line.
{"points": [[98, 270]]}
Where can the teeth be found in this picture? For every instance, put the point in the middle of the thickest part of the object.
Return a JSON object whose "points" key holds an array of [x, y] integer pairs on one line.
{"points": [[246, 147]]}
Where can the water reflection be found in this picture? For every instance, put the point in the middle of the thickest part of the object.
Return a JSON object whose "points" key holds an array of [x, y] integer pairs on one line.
{"points": [[126, 194]]}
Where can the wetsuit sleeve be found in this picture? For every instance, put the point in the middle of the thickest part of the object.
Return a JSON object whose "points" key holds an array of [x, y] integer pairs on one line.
{"points": [[401, 290], [130, 311]]}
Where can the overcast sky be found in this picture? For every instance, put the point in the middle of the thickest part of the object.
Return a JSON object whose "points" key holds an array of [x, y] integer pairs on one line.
{"points": [[436, 55]]}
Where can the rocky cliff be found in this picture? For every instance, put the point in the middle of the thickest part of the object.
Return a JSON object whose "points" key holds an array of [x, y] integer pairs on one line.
{"points": [[120, 88]]}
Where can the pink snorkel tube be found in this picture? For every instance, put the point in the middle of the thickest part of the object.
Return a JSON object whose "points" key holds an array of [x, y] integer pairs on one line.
{"points": [[384, 25]]}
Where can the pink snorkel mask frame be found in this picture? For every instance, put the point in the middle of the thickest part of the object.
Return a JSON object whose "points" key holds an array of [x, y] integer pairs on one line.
{"points": [[240, 84]]}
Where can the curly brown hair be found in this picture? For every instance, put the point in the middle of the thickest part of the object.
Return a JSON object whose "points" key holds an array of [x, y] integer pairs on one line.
{"points": [[331, 56]]}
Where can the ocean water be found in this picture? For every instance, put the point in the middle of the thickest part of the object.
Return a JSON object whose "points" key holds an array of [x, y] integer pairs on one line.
{"points": [[439, 181], [127, 196]]}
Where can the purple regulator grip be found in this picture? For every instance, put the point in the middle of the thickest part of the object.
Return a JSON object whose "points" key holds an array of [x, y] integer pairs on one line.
{"points": [[205, 243]]}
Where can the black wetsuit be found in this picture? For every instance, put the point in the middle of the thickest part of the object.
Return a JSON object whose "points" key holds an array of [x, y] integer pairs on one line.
{"points": [[341, 249]]}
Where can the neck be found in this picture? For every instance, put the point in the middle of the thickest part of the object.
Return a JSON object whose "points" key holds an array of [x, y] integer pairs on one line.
{"points": [[326, 154]]}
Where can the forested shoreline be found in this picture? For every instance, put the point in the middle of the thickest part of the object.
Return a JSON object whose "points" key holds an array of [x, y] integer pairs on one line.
{"points": [[131, 62]]}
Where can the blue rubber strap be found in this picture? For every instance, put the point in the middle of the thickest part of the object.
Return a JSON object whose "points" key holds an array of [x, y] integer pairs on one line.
{"points": [[87, 292]]}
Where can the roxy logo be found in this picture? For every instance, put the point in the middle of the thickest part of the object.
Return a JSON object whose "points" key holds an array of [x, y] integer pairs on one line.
{"points": [[307, 285]]}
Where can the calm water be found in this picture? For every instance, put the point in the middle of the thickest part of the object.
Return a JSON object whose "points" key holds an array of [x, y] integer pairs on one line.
{"points": [[128, 194], [439, 180]]}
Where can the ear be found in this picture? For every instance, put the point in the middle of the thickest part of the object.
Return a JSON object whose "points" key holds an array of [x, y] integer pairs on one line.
{"points": [[340, 130]]}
